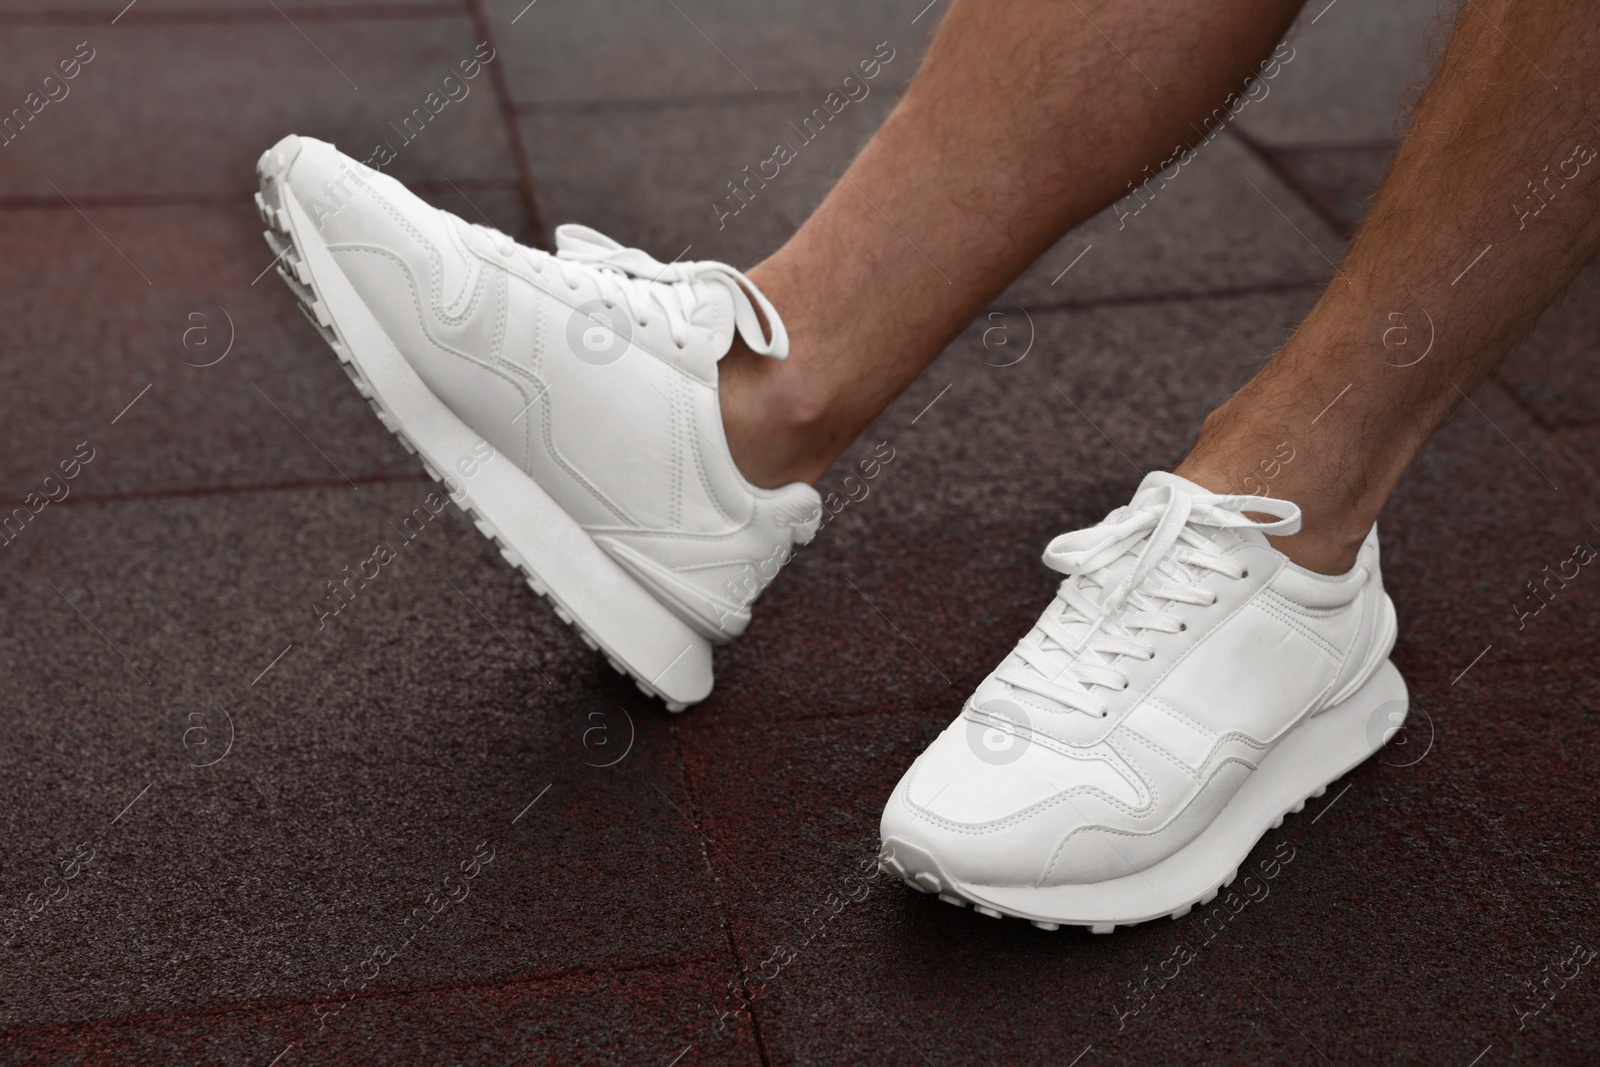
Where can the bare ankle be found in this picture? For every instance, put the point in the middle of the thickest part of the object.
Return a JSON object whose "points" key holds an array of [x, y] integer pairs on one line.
{"points": [[775, 417], [1332, 528], [1317, 551], [785, 419]]}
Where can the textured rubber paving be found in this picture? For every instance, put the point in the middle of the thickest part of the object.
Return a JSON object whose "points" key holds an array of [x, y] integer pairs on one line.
{"points": [[723, 871]]}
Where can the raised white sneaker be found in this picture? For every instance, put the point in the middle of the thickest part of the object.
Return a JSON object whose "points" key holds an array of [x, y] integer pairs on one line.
{"points": [[1187, 688], [588, 379]]}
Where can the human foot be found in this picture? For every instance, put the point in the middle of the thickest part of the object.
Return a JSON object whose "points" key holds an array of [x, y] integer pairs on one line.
{"points": [[568, 402], [1188, 687]]}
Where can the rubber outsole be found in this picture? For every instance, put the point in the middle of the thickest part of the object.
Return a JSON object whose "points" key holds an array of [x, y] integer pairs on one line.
{"points": [[296, 273], [921, 870], [922, 879]]}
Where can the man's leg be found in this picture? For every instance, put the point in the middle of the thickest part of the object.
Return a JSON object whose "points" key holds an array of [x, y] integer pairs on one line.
{"points": [[1491, 209], [1025, 119], [1189, 687]]}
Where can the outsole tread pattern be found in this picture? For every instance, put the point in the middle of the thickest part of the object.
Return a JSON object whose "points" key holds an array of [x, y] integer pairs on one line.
{"points": [[297, 276]]}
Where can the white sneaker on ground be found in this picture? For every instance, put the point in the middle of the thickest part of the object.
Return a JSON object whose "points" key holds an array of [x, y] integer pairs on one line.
{"points": [[588, 377], [1187, 688]]}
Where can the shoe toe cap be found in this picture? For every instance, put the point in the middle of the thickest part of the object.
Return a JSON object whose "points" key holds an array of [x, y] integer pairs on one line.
{"points": [[348, 202], [990, 806]]}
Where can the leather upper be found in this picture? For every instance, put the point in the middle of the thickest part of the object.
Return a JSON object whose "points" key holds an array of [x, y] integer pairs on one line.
{"points": [[591, 395], [1022, 791]]}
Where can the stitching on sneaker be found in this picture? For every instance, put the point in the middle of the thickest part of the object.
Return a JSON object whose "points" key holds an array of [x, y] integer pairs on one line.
{"points": [[1124, 730], [1144, 779], [679, 431], [1200, 727], [416, 307], [978, 829], [1144, 834], [1273, 607], [705, 474]]}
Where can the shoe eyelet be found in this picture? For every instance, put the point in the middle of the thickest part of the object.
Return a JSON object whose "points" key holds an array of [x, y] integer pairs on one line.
{"points": [[1104, 714], [1182, 626], [1245, 575]]}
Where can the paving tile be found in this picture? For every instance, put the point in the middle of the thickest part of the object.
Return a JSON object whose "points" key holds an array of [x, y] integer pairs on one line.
{"points": [[1551, 375], [1581, 446], [581, 1018], [658, 179], [1553, 371], [372, 752], [564, 53], [1357, 64], [186, 109], [665, 174], [1342, 181], [88, 334]]}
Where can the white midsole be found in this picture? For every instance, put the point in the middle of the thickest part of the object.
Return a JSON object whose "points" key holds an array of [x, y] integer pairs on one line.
{"points": [[1318, 751], [627, 621]]}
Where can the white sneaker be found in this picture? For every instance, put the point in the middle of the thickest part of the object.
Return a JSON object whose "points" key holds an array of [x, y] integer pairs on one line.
{"points": [[1187, 688], [568, 403]]}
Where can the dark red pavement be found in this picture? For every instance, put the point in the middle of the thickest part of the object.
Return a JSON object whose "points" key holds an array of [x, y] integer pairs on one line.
{"points": [[260, 814]]}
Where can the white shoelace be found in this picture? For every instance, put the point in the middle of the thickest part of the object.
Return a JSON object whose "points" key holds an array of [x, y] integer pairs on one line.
{"points": [[634, 280], [1073, 649]]}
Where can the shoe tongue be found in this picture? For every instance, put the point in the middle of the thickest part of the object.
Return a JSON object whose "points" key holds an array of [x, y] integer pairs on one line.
{"points": [[715, 312], [572, 238]]}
